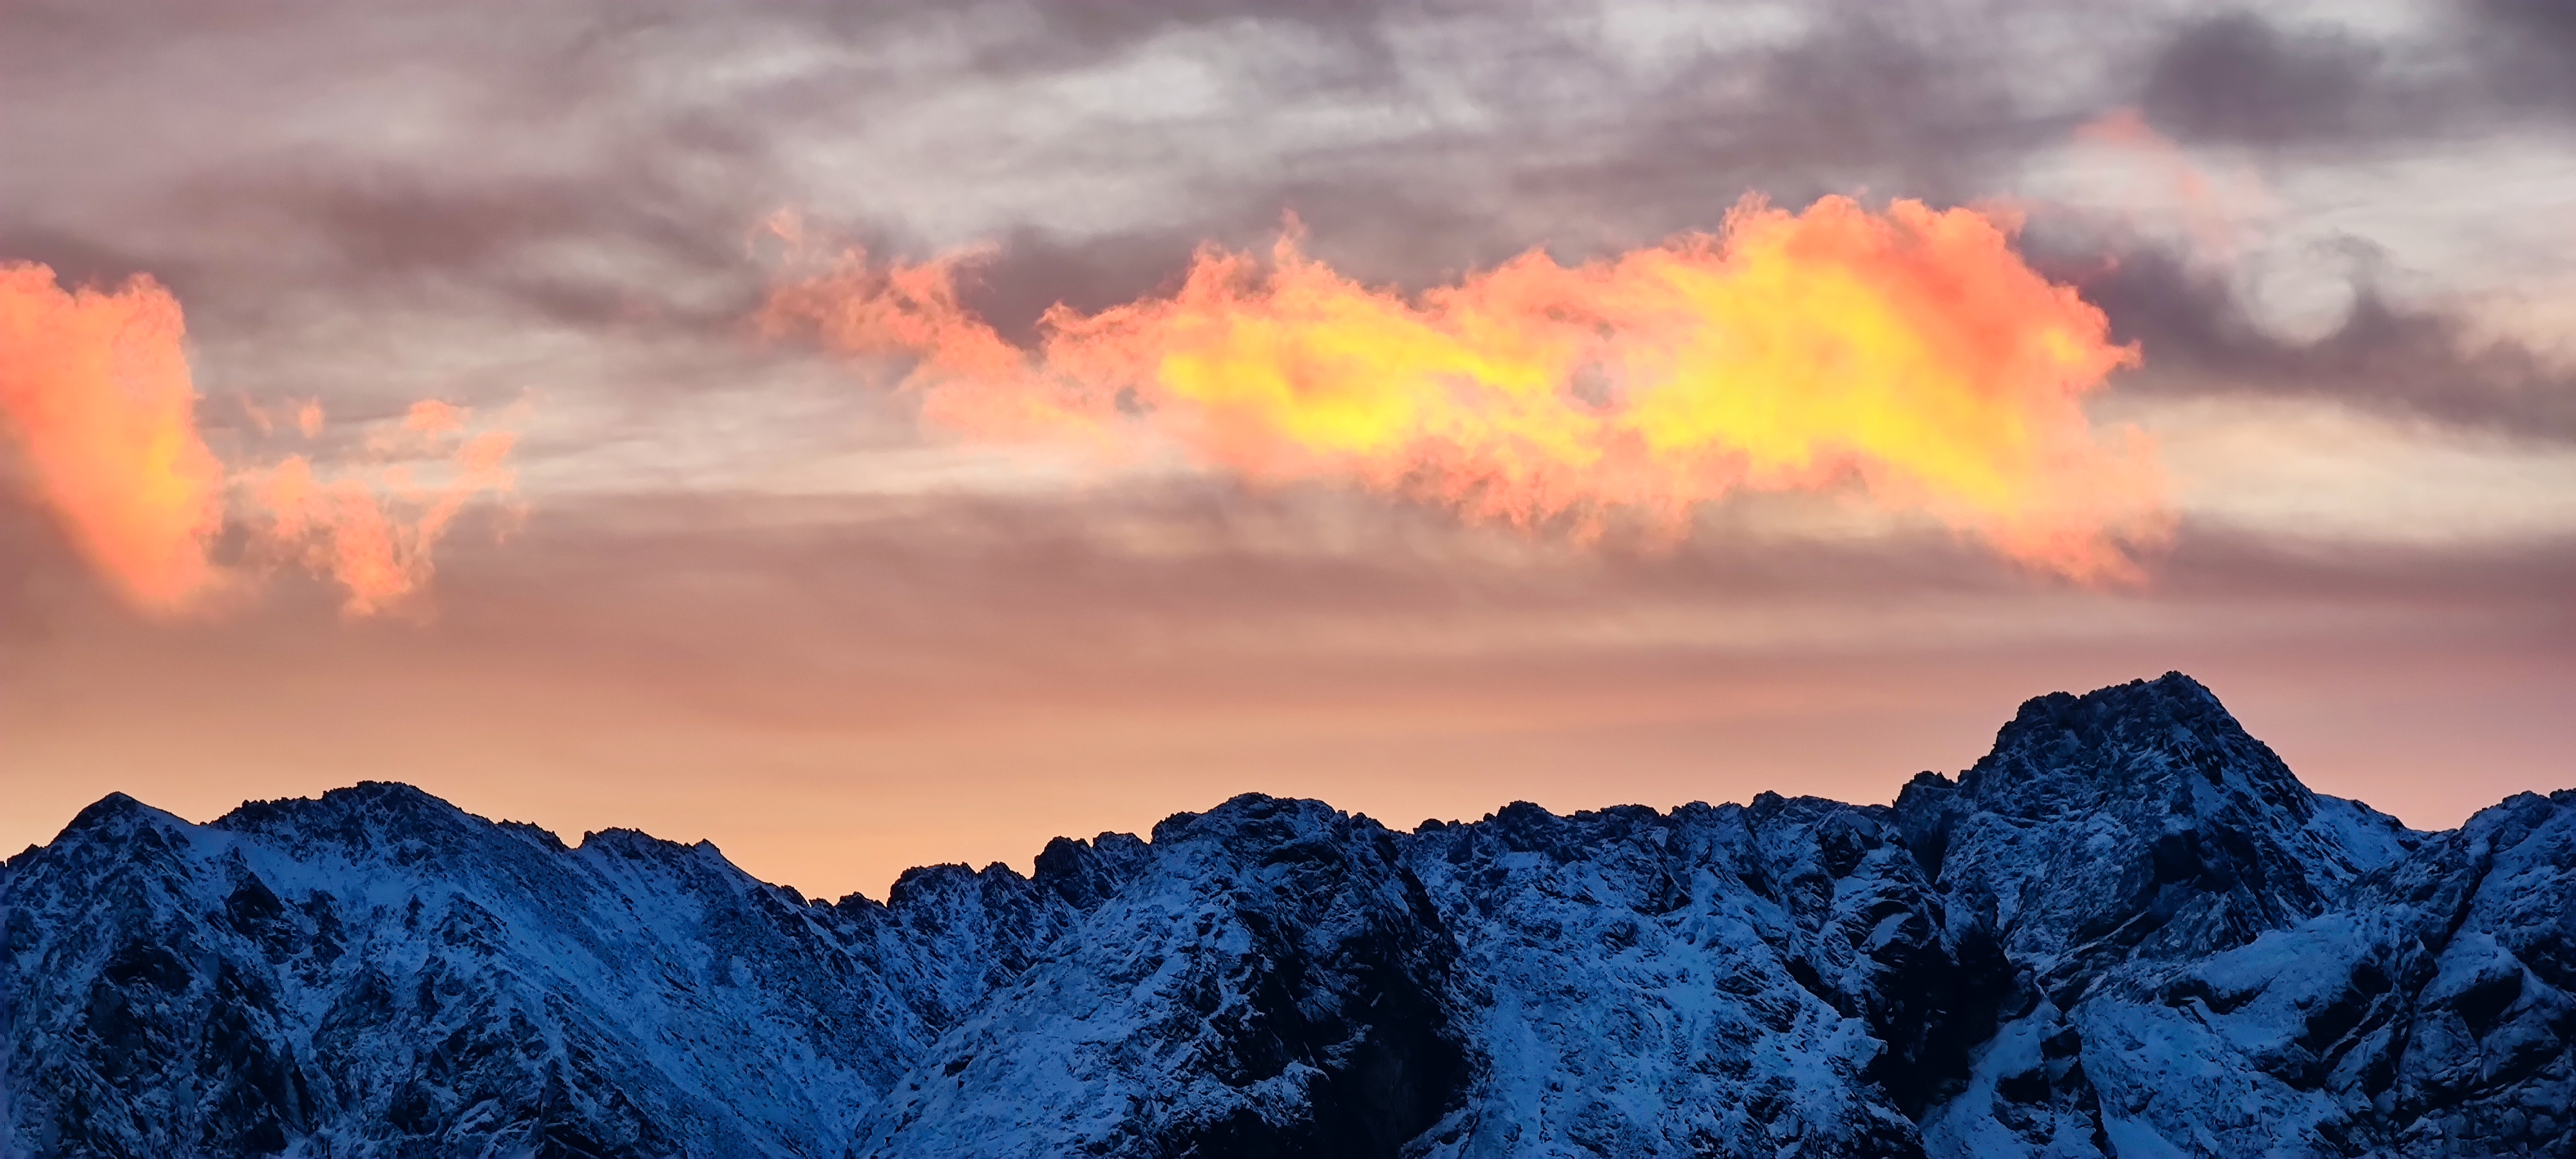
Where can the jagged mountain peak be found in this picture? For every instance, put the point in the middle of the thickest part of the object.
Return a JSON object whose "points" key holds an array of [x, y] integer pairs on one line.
{"points": [[1254, 817], [2127, 930], [933, 884], [637, 845], [1260, 980], [2171, 693], [115, 828], [1085, 873], [2510, 821], [367, 813], [2139, 820], [115, 813], [2166, 742]]}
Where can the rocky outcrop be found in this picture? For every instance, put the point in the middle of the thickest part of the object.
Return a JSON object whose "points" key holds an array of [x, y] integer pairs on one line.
{"points": [[378, 973], [2128, 931]]}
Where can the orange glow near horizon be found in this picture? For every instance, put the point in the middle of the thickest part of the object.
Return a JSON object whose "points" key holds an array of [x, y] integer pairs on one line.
{"points": [[96, 387], [1912, 353]]}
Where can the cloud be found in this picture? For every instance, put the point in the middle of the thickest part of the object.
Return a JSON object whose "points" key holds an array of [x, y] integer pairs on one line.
{"points": [[2239, 78], [373, 531], [2527, 51], [1912, 352], [1586, 133], [1071, 32], [96, 391], [94, 386], [476, 201], [2244, 78], [2422, 360]]}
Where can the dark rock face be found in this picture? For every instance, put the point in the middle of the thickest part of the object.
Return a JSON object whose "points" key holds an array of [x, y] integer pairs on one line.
{"points": [[376, 973], [2127, 931], [1274, 983], [2137, 822], [2432, 1014]]}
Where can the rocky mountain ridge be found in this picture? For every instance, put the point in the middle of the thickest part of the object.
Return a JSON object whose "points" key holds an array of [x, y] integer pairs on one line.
{"points": [[2127, 931]]}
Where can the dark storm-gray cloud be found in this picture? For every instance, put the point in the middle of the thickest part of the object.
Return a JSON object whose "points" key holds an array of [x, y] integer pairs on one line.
{"points": [[2423, 361], [568, 123], [2528, 50], [2239, 78], [1579, 151], [592, 168], [2246, 77]]}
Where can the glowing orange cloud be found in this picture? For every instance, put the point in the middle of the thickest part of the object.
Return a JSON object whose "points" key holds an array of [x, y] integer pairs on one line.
{"points": [[1912, 353], [95, 386], [354, 528]]}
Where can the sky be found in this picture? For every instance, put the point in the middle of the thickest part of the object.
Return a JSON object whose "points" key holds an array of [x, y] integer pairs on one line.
{"points": [[867, 434]]}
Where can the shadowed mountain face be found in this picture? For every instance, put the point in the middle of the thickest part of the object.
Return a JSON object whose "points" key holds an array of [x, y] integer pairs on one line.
{"points": [[2128, 931]]}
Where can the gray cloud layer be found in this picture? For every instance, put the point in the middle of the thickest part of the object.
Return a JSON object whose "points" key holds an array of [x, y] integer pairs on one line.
{"points": [[294, 168]]}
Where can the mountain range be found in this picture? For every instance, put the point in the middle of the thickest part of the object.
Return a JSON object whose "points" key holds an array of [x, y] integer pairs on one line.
{"points": [[2129, 930]]}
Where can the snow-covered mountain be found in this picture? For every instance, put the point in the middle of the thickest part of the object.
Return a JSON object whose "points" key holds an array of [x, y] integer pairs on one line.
{"points": [[2128, 931]]}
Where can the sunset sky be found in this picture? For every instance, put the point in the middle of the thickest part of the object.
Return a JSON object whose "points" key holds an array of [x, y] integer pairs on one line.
{"points": [[629, 413]]}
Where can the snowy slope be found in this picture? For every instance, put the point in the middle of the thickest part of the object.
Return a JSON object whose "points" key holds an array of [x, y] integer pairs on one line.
{"points": [[380, 971], [2432, 1016], [1273, 984], [1713, 981], [2128, 931]]}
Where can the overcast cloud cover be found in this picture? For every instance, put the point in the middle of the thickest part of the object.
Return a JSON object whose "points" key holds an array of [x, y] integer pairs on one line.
{"points": [[752, 600]]}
